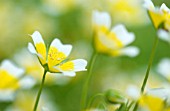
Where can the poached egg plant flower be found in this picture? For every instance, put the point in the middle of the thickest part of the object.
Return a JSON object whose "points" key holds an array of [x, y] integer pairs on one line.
{"points": [[112, 41], [160, 18], [155, 100], [9, 80], [56, 60]]}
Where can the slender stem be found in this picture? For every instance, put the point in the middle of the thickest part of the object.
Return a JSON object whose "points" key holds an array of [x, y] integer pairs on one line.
{"points": [[149, 65], [40, 90], [87, 81], [148, 70]]}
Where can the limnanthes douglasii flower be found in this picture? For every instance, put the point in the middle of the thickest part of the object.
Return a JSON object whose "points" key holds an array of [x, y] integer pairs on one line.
{"points": [[9, 80], [56, 60], [35, 70], [112, 40], [160, 16], [155, 100]]}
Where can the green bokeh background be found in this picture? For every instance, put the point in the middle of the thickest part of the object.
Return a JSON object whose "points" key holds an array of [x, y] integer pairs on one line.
{"points": [[18, 18]]}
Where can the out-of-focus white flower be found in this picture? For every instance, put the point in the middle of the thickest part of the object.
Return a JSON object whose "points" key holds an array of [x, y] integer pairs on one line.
{"points": [[164, 35], [160, 17], [27, 82], [133, 92], [56, 60], [164, 68], [163, 93], [12, 79], [130, 12], [9, 80], [112, 41], [155, 99]]}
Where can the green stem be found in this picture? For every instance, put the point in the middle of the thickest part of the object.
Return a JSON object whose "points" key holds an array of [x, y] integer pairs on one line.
{"points": [[40, 90], [87, 81], [149, 65], [148, 70]]}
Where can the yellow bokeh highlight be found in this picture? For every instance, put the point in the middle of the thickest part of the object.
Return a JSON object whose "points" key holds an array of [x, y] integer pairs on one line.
{"points": [[41, 49], [7, 81]]}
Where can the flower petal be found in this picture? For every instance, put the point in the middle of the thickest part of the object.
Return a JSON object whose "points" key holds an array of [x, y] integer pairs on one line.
{"points": [[107, 42], [31, 48], [164, 35], [37, 38], [159, 92], [70, 67], [133, 92], [27, 82], [122, 34], [7, 95], [163, 68], [164, 8], [58, 52], [11, 69], [80, 65], [101, 19], [130, 51], [40, 46], [71, 74], [148, 4]]}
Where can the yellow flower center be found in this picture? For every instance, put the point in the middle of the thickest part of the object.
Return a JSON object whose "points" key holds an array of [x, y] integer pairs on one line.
{"points": [[54, 58]]}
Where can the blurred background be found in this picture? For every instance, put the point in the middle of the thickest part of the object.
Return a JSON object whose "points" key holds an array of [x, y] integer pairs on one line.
{"points": [[70, 21]]}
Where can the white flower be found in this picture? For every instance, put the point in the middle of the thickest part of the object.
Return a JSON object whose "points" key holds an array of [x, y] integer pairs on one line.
{"points": [[35, 70], [9, 80], [163, 93], [133, 92], [56, 60], [159, 15], [112, 41], [164, 68]]}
